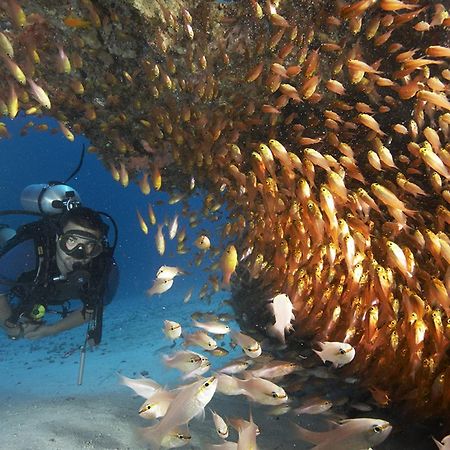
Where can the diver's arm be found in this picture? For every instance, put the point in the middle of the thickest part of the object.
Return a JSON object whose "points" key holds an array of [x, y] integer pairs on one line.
{"points": [[72, 320]]}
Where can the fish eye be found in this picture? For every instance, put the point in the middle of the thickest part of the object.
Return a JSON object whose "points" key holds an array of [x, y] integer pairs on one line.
{"points": [[207, 384], [342, 351], [274, 395], [377, 429]]}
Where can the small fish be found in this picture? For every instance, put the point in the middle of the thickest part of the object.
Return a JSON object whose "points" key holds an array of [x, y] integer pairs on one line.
{"points": [[219, 351], [188, 403], [200, 339], [188, 295], [338, 353], [228, 385], [186, 361], [235, 367], [157, 404], [263, 391], [202, 242], [370, 123], [350, 434], [39, 94], [251, 347], [213, 327], [142, 223], [177, 437], [169, 272], [228, 263], [160, 241], [160, 286], [247, 435], [144, 387], [173, 227], [76, 22], [6, 46], [281, 307], [314, 406], [172, 329], [275, 369], [219, 423], [199, 371]]}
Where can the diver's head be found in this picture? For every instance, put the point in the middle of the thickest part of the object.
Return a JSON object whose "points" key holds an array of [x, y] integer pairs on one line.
{"points": [[82, 237]]}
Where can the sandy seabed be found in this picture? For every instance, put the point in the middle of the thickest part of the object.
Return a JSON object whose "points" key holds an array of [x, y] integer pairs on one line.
{"points": [[43, 408]]}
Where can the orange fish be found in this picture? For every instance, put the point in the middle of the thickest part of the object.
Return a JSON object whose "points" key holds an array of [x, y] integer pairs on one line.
{"points": [[76, 22]]}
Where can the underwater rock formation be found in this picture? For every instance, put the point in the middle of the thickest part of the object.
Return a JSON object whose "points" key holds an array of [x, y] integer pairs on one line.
{"points": [[322, 126]]}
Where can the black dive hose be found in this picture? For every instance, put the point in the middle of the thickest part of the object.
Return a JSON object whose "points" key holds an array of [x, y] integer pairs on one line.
{"points": [[78, 168]]}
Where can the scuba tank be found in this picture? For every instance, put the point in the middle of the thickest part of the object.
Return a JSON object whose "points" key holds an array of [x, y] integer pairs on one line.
{"points": [[49, 199]]}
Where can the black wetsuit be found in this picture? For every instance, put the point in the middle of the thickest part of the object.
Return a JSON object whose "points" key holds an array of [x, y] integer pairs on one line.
{"points": [[29, 276]]}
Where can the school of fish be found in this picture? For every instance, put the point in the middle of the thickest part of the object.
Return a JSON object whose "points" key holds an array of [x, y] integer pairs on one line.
{"points": [[322, 127]]}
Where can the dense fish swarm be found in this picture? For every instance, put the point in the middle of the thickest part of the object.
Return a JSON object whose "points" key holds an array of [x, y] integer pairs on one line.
{"points": [[323, 126]]}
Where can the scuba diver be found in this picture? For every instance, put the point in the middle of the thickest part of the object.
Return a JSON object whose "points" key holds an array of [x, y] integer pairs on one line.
{"points": [[50, 262], [63, 256]]}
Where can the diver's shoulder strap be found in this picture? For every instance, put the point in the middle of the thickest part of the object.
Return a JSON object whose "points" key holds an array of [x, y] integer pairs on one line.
{"points": [[42, 232]]}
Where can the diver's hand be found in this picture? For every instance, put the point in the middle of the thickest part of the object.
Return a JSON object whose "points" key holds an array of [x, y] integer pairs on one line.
{"points": [[14, 331], [32, 331]]}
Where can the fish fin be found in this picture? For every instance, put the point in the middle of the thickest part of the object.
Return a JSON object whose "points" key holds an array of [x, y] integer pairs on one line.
{"points": [[319, 354], [309, 436]]}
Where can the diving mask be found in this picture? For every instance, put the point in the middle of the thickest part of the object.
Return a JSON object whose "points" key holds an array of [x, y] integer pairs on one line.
{"points": [[80, 244]]}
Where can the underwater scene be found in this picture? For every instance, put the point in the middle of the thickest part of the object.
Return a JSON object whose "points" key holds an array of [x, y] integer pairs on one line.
{"points": [[225, 224]]}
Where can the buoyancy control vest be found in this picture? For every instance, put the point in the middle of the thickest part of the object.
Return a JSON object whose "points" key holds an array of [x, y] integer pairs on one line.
{"points": [[43, 286]]}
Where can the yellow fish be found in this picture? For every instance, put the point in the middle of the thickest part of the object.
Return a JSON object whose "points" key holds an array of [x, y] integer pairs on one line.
{"points": [[228, 263]]}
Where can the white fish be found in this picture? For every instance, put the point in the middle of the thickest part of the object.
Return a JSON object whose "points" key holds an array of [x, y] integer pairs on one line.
{"points": [[263, 391], [281, 307], [144, 387], [159, 240], [351, 434], [157, 404], [275, 369], [213, 326], [228, 385], [188, 295], [338, 353], [205, 365], [172, 329], [202, 242], [189, 402], [184, 360], [201, 339], [247, 436], [314, 406], [178, 437], [444, 444], [219, 423], [159, 287], [235, 367], [168, 272], [251, 347], [173, 227]]}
